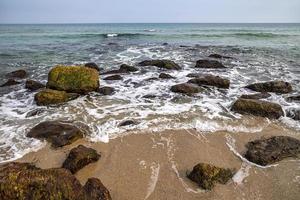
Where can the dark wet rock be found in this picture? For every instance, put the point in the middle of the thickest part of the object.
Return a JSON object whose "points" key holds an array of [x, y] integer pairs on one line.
{"points": [[166, 76], [106, 90], [79, 157], [294, 98], [206, 175], [211, 80], [95, 190], [51, 97], [194, 75], [128, 123], [271, 150], [293, 113], [152, 79], [186, 88], [219, 56], [93, 66], [272, 86], [165, 44], [73, 79], [35, 112], [184, 46], [17, 74], [57, 133], [258, 108], [149, 96], [25, 181], [33, 85], [209, 64], [113, 78], [122, 70], [165, 64], [10, 82], [262, 95]]}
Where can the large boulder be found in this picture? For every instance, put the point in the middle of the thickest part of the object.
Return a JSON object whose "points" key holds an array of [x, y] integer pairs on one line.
{"points": [[27, 182], [206, 175], [280, 87], [211, 80], [57, 133], [186, 88], [33, 85], [10, 82], [74, 79], [213, 64], [51, 97], [261, 95], [258, 108], [17, 74], [271, 150], [79, 157], [165, 64]]}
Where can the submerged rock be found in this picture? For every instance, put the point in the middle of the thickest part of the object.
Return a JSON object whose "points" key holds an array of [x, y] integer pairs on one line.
{"points": [[35, 112], [211, 80], [219, 56], [33, 85], [258, 108], [128, 123], [113, 78], [106, 90], [262, 95], [79, 157], [25, 181], [294, 98], [186, 88], [206, 175], [166, 76], [57, 133], [272, 86], [52, 97], [10, 82], [93, 66], [209, 64], [17, 74], [165, 64], [73, 79], [271, 150]]}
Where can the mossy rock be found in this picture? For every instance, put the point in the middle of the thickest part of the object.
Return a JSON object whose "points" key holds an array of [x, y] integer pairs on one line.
{"points": [[280, 87], [258, 108], [51, 97], [73, 79], [206, 175]]}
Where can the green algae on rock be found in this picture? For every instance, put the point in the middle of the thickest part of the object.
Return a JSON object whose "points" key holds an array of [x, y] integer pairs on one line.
{"points": [[74, 79], [206, 175], [51, 97]]}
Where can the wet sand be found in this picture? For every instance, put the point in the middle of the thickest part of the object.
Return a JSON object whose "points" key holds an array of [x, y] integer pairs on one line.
{"points": [[153, 166]]}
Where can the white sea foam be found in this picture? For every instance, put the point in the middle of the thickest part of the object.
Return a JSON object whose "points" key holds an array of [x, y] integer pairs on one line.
{"points": [[155, 167]]}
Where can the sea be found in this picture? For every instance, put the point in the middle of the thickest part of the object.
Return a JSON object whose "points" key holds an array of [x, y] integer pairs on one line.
{"points": [[261, 52]]}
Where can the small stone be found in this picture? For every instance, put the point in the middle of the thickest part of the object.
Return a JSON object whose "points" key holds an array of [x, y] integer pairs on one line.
{"points": [[106, 90], [166, 76], [186, 88], [165, 64], [33, 85], [113, 78], [128, 123], [213, 64], [262, 95]]}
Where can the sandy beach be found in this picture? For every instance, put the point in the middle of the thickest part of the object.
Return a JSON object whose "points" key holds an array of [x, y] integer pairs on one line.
{"points": [[154, 165]]}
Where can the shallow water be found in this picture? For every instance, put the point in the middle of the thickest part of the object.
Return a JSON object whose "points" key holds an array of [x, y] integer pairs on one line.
{"points": [[262, 52]]}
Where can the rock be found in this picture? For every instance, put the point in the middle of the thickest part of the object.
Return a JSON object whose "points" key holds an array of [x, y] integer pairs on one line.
{"points": [[122, 70], [57, 133], [33, 85], [219, 56], [294, 98], [128, 123], [73, 79], [206, 175], [106, 90], [165, 64], [272, 86], [35, 112], [258, 108], [151, 79], [271, 150], [93, 66], [165, 44], [293, 113], [209, 64], [10, 82], [52, 97], [113, 78], [149, 96], [211, 80], [262, 95], [185, 88], [194, 75], [166, 76], [79, 157], [95, 190], [17, 74], [25, 181]]}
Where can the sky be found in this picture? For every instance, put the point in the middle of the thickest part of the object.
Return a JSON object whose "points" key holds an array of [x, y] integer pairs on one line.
{"points": [[149, 11]]}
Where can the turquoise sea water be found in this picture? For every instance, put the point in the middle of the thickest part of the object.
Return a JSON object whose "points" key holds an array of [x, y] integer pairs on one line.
{"points": [[262, 52]]}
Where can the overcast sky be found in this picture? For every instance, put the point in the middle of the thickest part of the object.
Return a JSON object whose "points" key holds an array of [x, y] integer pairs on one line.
{"points": [[106, 11]]}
